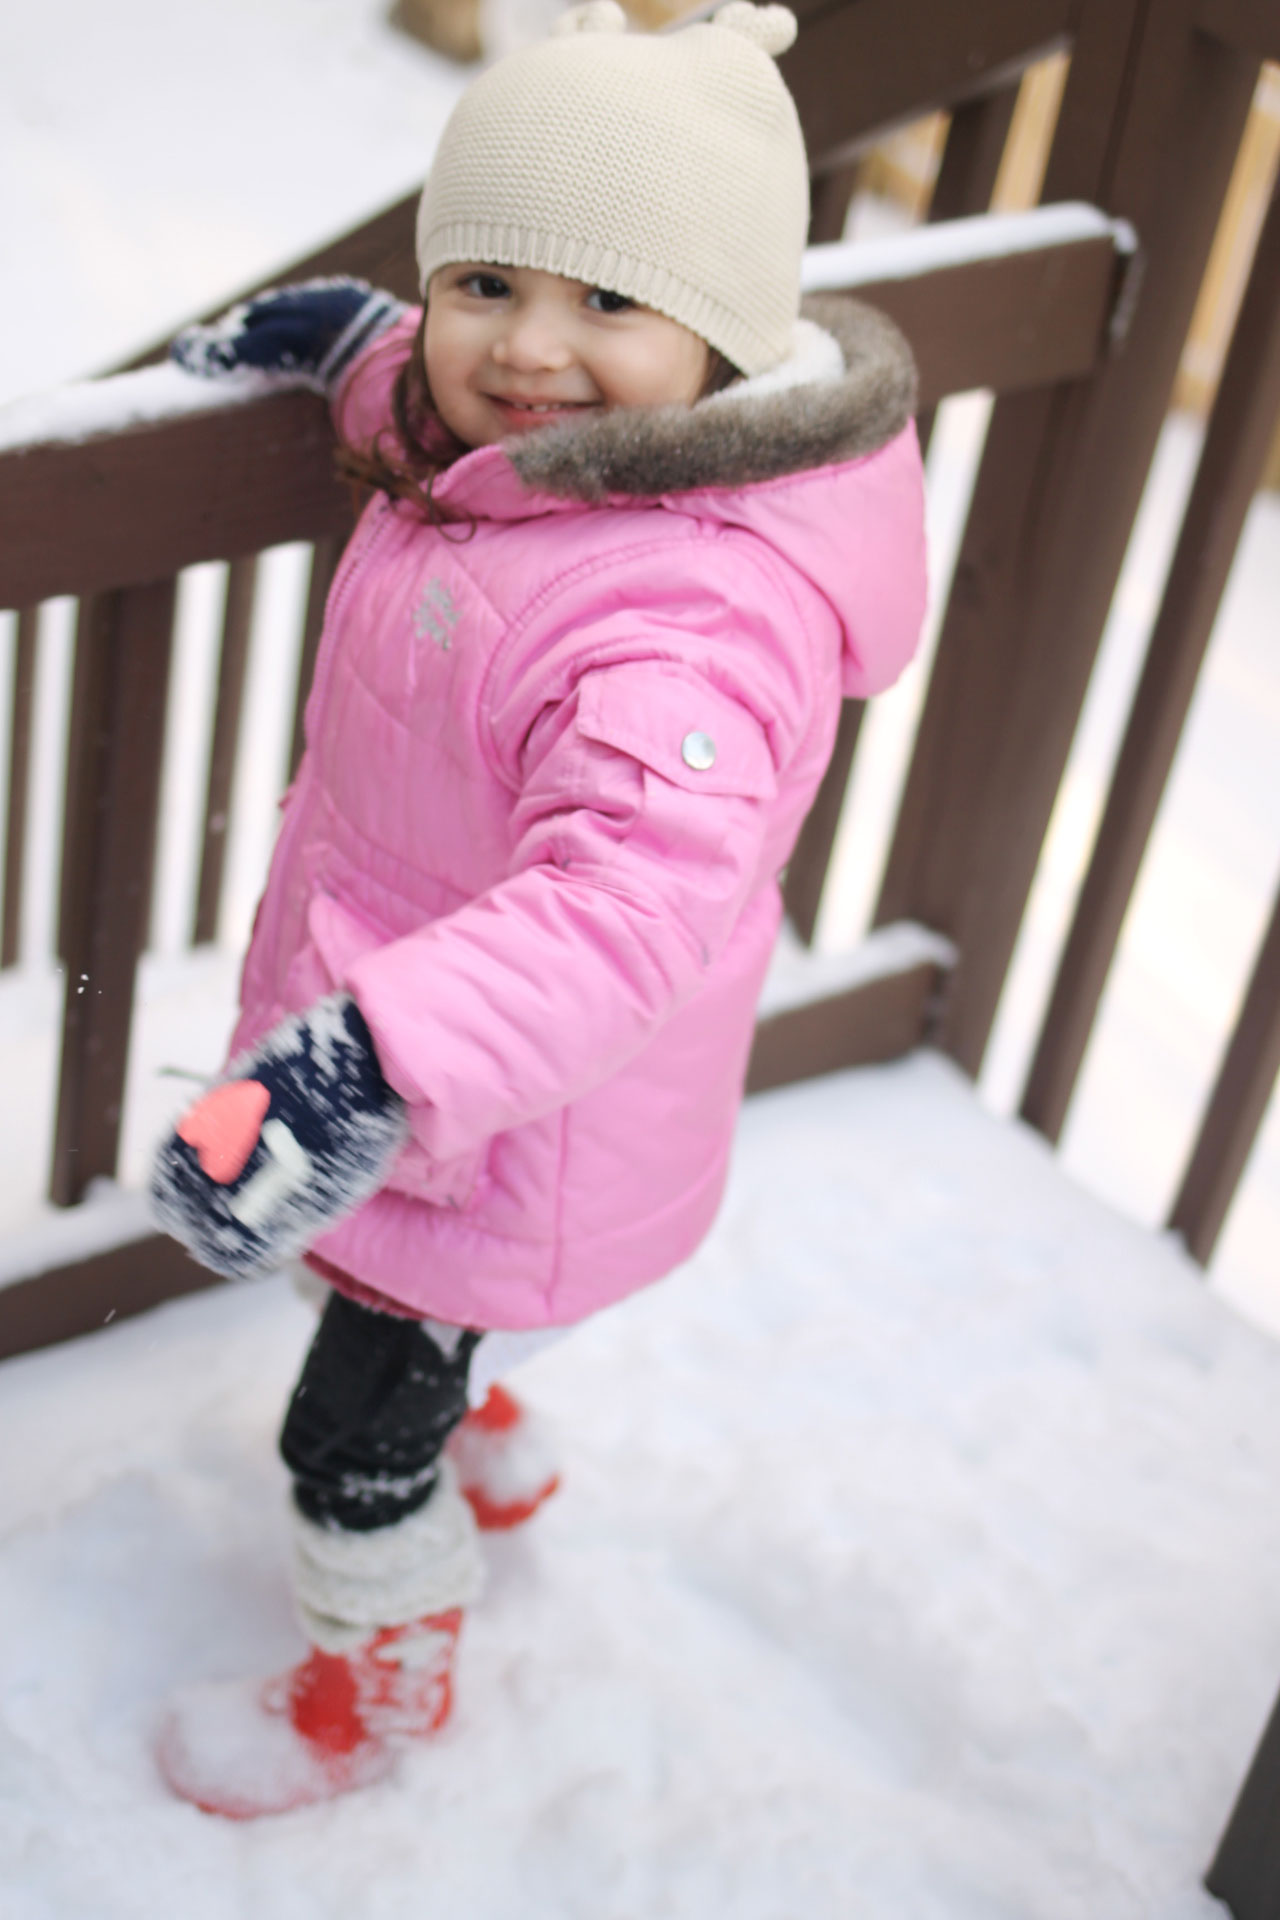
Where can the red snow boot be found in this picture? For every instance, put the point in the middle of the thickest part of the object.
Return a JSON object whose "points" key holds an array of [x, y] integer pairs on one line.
{"points": [[330, 1725], [503, 1462]]}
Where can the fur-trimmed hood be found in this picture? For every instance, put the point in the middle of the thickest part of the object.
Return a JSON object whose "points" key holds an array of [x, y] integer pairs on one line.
{"points": [[848, 387], [815, 460]]}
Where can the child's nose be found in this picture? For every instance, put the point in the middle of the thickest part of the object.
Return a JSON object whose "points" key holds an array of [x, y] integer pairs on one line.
{"points": [[533, 342]]}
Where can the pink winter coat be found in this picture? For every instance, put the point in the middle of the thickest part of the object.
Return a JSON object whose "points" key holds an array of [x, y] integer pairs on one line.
{"points": [[554, 767]]}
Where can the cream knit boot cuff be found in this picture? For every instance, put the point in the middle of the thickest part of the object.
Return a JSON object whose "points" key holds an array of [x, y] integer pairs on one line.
{"points": [[347, 1585]]}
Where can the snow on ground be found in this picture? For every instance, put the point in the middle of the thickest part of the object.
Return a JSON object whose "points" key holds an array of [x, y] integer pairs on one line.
{"points": [[916, 1558]]}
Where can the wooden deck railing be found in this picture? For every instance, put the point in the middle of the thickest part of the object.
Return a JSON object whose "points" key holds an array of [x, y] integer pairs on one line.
{"points": [[1017, 308], [1076, 337]]}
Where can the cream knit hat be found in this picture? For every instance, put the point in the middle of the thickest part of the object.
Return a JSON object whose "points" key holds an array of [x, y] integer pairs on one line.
{"points": [[667, 167]]}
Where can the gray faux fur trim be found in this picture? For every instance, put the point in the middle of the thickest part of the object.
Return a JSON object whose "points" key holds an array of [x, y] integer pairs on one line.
{"points": [[737, 437]]}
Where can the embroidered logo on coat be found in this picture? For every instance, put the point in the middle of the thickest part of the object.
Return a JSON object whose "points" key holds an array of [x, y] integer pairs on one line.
{"points": [[436, 614]]}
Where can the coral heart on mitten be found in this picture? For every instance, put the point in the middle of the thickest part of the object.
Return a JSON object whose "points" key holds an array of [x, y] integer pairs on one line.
{"points": [[223, 1128], [304, 1130]]}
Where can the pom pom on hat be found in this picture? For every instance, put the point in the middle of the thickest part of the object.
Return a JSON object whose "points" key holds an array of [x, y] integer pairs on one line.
{"points": [[594, 16], [772, 29], [666, 167]]}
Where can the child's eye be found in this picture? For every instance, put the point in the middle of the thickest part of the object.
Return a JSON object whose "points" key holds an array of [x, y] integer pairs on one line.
{"points": [[604, 301], [487, 286]]}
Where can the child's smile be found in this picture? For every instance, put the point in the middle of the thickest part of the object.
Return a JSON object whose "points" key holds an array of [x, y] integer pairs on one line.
{"points": [[512, 349]]}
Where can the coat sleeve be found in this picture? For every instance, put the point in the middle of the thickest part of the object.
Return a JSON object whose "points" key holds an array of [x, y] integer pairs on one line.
{"points": [[361, 403], [640, 826]]}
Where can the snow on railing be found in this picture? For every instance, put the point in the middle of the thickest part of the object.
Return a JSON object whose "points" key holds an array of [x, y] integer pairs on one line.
{"points": [[956, 243], [798, 976], [91, 409], [108, 1217]]}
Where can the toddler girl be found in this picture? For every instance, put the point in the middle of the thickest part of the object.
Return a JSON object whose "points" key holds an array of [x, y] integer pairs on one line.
{"points": [[637, 525]]}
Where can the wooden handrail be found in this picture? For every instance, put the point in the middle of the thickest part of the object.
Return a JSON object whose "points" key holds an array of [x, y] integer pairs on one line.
{"points": [[1236, 1105], [123, 650], [897, 59], [22, 695], [141, 503]]}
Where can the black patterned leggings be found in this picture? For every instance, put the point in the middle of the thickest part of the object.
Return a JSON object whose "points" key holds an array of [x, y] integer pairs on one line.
{"points": [[375, 1403]]}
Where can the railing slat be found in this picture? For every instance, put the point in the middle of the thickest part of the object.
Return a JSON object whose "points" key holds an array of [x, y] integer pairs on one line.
{"points": [[876, 1021], [967, 176], [84, 517], [1245, 1874], [972, 155], [1251, 25], [242, 576], [15, 838], [123, 648], [1061, 477], [1236, 1106], [1231, 466], [324, 562], [966, 179], [829, 197], [807, 867]]}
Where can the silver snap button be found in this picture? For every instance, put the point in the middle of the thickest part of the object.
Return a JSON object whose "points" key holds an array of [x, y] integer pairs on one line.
{"points": [[698, 750]]}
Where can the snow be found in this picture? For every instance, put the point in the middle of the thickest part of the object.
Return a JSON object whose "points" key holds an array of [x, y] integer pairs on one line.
{"points": [[108, 1218], [85, 408], [79, 410], [798, 974], [183, 1016], [954, 243], [916, 1556], [158, 158]]}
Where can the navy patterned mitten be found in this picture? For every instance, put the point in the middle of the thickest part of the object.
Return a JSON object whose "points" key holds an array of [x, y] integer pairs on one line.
{"points": [[305, 335], [303, 1130]]}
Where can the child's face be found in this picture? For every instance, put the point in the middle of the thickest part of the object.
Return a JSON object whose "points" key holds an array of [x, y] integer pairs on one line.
{"points": [[509, 349]]}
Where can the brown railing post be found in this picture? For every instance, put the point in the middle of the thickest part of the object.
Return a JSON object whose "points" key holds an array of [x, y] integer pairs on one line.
{"points": [[1245, 1874], [857, 68], [967, 177], [1236, 1106], [807, 867], [1061, 477], [123, 649], [1231, 466], [15, 833]]}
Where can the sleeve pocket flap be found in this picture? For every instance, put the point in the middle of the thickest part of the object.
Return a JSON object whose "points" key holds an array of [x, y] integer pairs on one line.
{"points": [[678, 725]]}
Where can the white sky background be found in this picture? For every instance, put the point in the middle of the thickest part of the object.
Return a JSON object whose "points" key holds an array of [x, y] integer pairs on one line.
{"points": [[156, 156]]}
